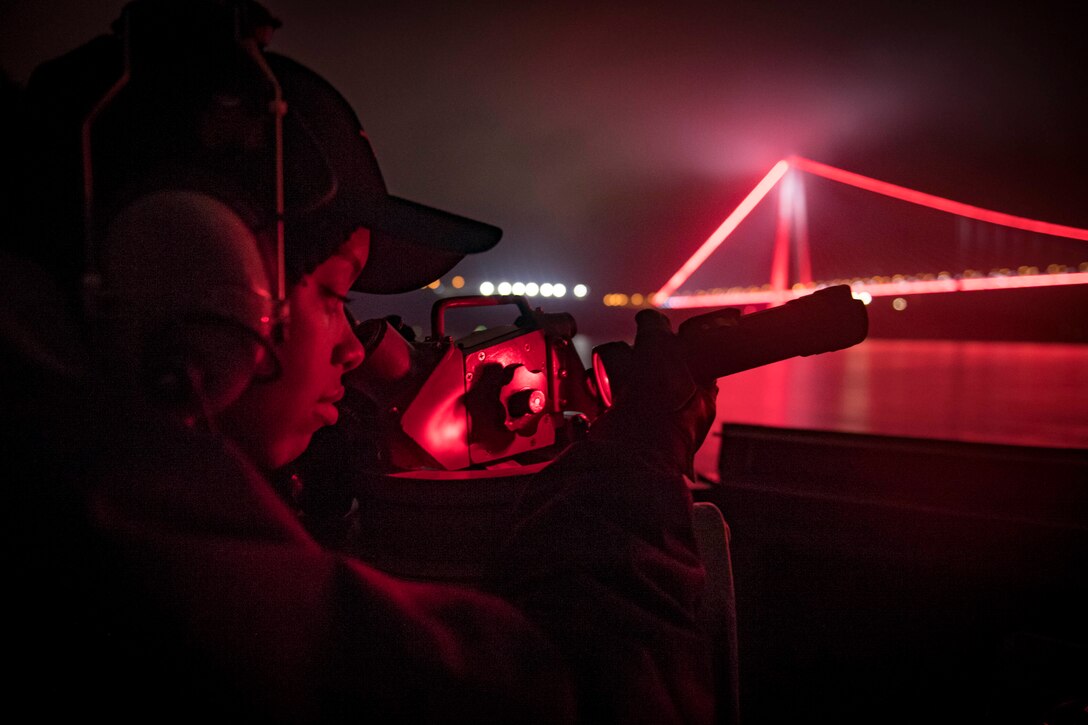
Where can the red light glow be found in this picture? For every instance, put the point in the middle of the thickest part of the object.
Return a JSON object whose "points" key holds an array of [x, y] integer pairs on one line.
{"points": [[780, 263], [777, 294], [721, 233], [884, 289], [937, 202]]}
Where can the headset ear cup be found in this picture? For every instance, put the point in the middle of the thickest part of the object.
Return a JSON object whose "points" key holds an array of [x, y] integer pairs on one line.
{"points": [[164, 371], [189, 305], [199, 365]]}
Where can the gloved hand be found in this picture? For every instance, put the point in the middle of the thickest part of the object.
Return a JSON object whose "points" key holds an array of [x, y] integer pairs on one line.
{"points": [[657, 404]]}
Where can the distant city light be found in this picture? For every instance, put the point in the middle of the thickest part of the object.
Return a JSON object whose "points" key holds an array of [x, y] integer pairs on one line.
{"points": [[527, 289], [863, 296], [899, 304], [969, 280], [616, 299]]}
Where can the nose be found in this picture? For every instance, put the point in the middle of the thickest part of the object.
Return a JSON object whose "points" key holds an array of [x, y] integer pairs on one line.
{"points": [[349, 352]]}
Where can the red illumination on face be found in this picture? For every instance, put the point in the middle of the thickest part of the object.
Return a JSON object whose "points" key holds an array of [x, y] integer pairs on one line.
{"points": [[274, 420]]}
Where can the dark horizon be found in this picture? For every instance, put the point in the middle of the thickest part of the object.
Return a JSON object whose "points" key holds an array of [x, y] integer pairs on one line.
{"points": [[608, 142]]}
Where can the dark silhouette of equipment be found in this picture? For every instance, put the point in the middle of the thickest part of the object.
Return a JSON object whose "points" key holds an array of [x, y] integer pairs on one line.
{"points": [[724, 341], [519, 393]]}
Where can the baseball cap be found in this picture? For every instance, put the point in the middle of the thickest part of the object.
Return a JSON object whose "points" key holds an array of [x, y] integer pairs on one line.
{"points": [[185, 60], [411, 244]]}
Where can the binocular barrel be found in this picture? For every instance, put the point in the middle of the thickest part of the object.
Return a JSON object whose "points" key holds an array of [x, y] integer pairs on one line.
{"points": [[724, 342]]}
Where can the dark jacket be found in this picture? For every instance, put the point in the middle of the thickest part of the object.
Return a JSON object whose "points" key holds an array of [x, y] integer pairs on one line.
{"points": [[158, 576]]}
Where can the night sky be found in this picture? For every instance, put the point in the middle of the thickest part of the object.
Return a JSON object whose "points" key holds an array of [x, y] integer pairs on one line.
{"points": [[608, 140]]}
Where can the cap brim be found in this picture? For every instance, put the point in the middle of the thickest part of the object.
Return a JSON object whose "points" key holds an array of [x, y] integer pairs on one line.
{"points": [[411, 244]]}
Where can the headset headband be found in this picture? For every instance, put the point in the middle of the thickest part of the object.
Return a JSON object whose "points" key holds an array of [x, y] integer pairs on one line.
{"points": [[158, 28]]}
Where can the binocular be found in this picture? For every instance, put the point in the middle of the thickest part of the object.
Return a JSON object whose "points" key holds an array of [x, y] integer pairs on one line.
{"points": [[519, 393]]}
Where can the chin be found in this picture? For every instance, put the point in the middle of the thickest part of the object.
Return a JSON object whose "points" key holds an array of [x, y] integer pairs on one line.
{"points": [[289, 450]]}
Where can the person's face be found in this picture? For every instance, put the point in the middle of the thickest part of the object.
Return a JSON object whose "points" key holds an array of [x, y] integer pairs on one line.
{"points": [[274, 420]]}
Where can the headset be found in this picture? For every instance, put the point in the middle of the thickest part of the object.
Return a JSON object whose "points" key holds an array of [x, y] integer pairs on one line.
{"points": [[182, 161], [184, 98]]}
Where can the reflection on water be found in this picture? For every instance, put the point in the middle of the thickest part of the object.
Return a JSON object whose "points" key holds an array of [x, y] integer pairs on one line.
{"points": [[1032, 394]]}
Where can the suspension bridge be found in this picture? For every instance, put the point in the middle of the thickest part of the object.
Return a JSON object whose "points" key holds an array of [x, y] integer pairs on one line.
{"points": [[801, 263]]}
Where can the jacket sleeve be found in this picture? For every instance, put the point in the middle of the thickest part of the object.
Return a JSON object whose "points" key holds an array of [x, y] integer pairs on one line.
{"points": [[605, 561], [228, 603], [230, 607]]}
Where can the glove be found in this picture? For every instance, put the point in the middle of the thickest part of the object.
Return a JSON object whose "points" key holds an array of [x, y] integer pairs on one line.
{"points": [[657, 404]]}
